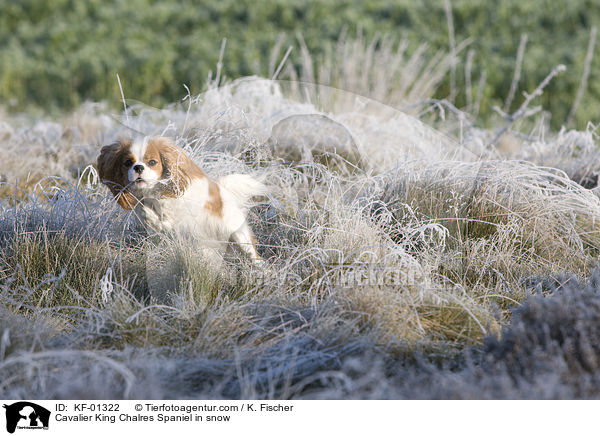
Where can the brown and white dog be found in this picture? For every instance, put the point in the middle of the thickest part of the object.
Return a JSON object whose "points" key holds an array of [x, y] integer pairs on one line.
{"points": [[169, 192]]}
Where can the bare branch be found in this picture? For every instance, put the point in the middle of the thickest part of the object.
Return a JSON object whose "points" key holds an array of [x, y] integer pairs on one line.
{"points": [[468, 70], [452, 43], [523, 110], [584, 77], [517, 75]]}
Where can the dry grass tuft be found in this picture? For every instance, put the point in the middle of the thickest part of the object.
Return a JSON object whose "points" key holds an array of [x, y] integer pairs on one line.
{"points": [[381, 235]]}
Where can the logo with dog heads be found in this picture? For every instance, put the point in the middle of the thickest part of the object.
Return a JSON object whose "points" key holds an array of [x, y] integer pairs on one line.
{"points": [[26, 415]]}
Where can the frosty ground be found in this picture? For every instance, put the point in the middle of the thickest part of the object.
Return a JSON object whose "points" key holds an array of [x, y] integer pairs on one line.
{"points": [[483, 245]]}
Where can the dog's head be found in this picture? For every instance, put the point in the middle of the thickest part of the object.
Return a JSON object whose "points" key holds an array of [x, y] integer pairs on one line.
{"points": [[145, 167]]}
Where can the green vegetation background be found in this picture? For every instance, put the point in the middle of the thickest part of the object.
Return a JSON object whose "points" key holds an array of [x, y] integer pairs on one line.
{"points": [[56, 54]]}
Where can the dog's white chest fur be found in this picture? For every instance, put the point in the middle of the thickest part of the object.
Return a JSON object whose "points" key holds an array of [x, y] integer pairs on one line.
{"points": [[193, 216]]}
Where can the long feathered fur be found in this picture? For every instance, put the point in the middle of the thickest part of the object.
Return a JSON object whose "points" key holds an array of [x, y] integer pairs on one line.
{"points": [[243, 187]]}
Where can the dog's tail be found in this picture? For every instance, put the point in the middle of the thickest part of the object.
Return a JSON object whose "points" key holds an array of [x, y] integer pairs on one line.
{"points": [[243, 187]]}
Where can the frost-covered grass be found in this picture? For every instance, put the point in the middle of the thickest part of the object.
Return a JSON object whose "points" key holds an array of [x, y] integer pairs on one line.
{"points": [[392, 251]]}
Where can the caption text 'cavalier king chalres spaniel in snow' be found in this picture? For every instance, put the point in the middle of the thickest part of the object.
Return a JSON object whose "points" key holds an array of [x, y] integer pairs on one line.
{"points": [[171, 193]]}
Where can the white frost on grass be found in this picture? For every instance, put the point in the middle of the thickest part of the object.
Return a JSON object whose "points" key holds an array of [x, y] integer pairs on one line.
{"points": [[354, 185]]}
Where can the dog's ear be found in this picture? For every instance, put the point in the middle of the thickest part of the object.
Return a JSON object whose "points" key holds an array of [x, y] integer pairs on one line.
{"points": [[110, 170], [178, 168]]}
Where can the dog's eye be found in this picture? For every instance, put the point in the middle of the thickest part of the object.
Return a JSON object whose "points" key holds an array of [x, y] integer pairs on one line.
{"points": [[152, 162], [128, 163]]}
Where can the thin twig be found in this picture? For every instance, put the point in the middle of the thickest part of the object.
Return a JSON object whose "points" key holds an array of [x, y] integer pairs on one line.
{"points": [[517, 74], [440, 105], [123, 97], [188, 97], [480, 86], [275, 53], [523, 111], [282, 63], [468, 70], [584, 77], [220, 63], [308, 72], [452, 43]]}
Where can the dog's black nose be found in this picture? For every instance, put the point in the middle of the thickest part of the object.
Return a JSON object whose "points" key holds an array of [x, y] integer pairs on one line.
{"points": [[138, 168]]}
